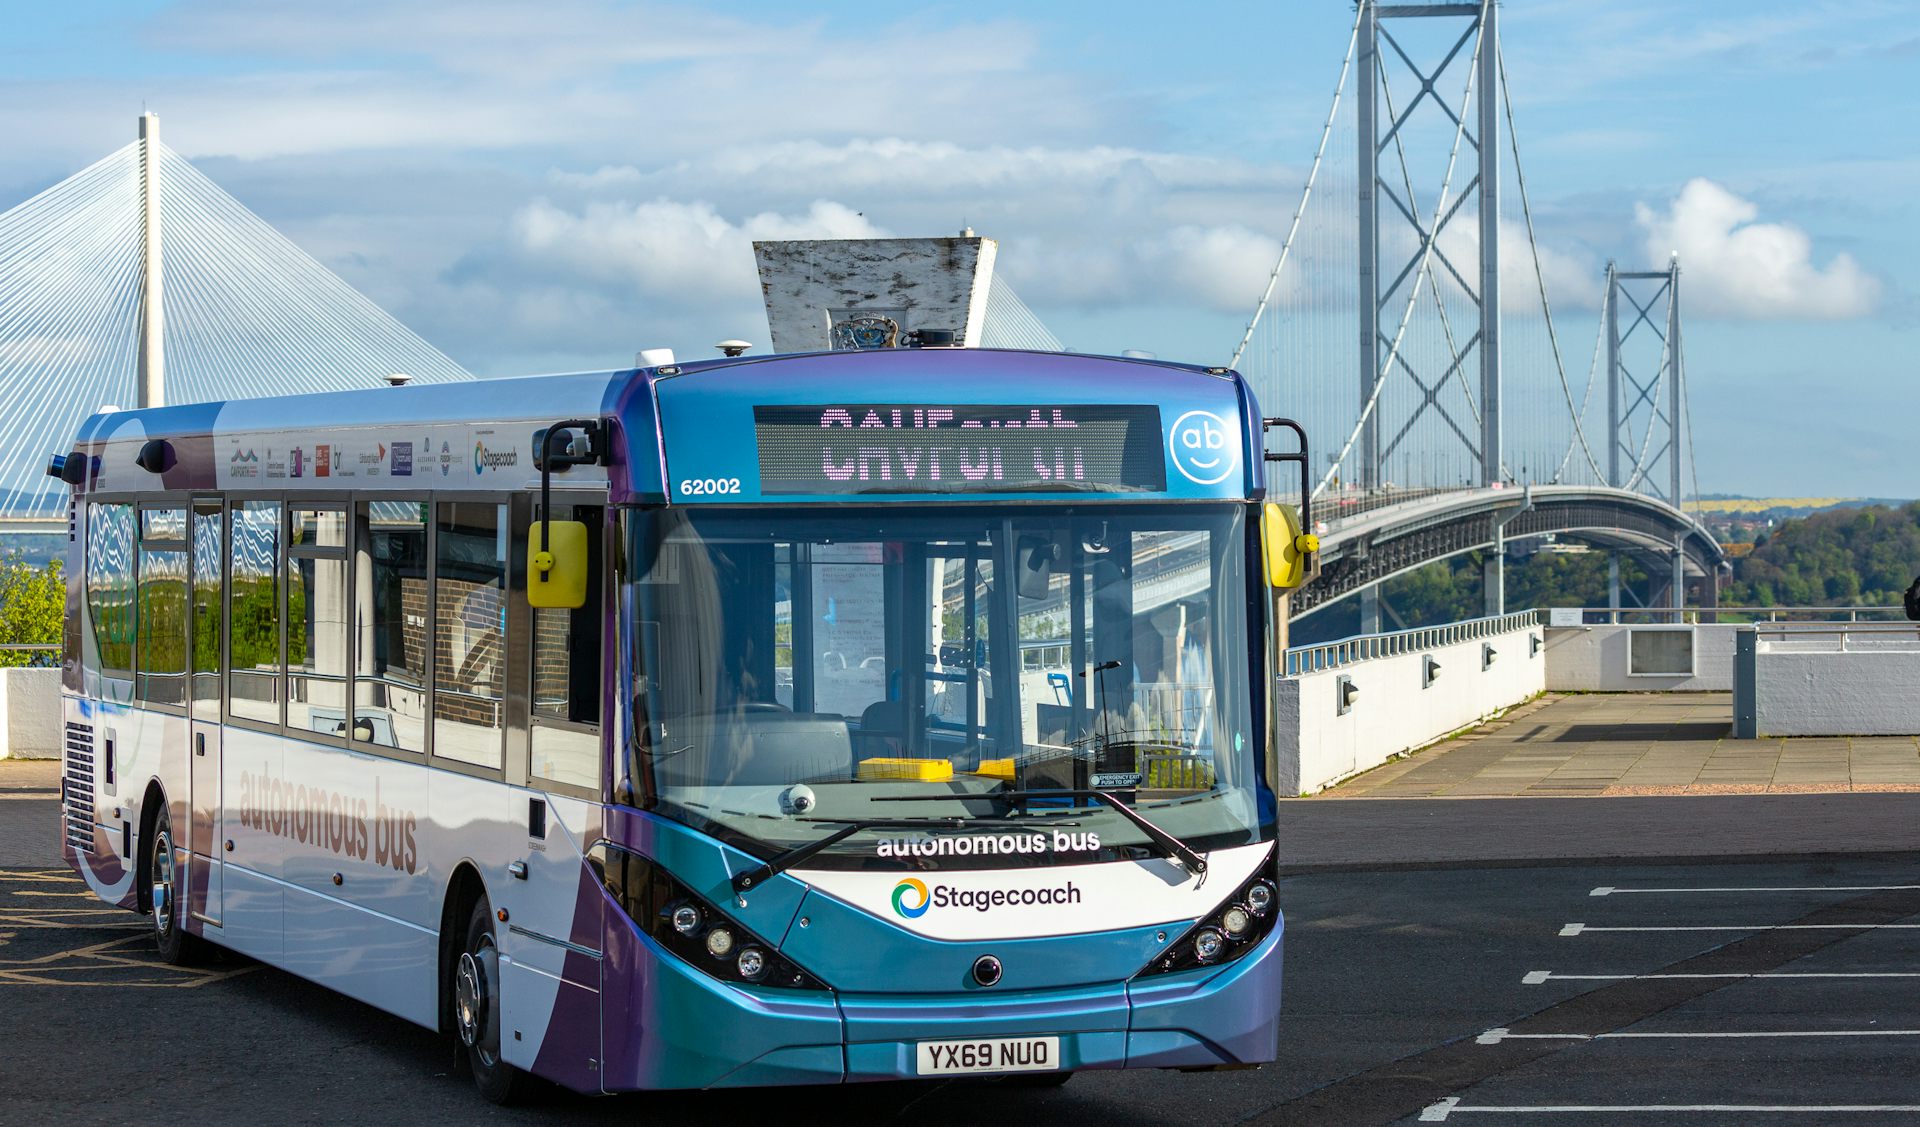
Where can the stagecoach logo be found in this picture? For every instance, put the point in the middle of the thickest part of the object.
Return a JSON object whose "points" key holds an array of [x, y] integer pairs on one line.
{"points": [[1204, 448], [485, 459], [912, 898], [402, 459], [244, 463]]}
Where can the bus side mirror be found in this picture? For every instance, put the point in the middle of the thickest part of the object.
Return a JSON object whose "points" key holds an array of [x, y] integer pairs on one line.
{"points": [[1287, 550], [557, 564]]}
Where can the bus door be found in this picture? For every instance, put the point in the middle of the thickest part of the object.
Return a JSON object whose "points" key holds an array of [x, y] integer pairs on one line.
{"points": [[207, 544], [557, 933]]}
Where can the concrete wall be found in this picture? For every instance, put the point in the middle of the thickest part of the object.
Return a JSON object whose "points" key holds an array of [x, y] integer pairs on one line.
{"points": [[30, 713], [1823, 692], [1316, 746], [1593, 659]]}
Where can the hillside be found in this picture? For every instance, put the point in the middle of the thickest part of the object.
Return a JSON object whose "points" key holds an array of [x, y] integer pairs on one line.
{"points": [[1862, 556]]}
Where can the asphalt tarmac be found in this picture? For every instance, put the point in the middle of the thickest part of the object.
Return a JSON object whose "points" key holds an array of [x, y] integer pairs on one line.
{"points": [[1609, 992]]}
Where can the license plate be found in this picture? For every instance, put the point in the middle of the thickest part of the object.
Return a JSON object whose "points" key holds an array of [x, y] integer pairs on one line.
{"points": [[989, 1054]]}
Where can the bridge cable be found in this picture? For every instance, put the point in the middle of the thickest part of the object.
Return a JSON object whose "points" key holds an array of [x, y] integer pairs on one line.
{"points": [[1540, 279], [1293, 229]]}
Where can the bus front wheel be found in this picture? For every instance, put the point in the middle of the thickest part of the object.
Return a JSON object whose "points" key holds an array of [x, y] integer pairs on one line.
{"points": [[476, 1010], [170, 939]]}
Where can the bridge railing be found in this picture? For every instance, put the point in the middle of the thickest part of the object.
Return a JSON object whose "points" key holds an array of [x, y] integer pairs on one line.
{"points": [[1612, 616], [1367, 647]]}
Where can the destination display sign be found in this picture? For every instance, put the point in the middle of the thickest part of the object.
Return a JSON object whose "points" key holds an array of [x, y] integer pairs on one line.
{"points": [[851, 448]]}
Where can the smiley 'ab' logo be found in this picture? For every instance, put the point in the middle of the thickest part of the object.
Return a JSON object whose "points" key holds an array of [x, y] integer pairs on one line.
{"points": [[1204, 449], [914, 890]]}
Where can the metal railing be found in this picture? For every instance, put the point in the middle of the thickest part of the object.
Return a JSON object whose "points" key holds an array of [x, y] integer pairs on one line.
{"points": [[1366, 647], [1839, 637], [1611, 616], [47, 653]]}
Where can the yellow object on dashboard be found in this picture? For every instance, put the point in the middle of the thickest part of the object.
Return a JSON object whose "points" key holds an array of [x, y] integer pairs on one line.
{"points": [[995, 769], [914, 770]]}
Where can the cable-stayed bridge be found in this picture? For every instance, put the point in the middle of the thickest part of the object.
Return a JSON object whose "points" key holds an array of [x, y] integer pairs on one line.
{"points": [[138, 281], [1410, 325]]}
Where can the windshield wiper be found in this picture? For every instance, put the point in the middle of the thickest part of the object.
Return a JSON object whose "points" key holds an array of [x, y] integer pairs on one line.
{"points": [[1171, 847], [848, 827]]}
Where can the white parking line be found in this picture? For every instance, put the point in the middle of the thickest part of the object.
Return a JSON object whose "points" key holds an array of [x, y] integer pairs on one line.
{"points": [[1495, 1036], [1609, 890], [1438, 1112], [1581, 929], [1537, 977]]}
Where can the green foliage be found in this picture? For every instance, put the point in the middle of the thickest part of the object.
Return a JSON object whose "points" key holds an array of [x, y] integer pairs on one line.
{"points": [[1862, 557], [33, 604]]}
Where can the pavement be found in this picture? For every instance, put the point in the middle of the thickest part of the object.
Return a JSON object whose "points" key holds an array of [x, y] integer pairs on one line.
{"points": [[1636, 744], [1713, 958]]}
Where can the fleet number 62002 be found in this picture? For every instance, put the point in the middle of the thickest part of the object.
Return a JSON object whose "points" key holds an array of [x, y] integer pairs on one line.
{"points": [[708, 486]]}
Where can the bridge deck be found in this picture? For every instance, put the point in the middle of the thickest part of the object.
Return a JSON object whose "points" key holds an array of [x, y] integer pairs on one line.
{"points": [[1636, 744]]}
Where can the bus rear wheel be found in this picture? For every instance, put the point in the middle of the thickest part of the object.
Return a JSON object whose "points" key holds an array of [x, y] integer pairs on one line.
{"points": [[476, 1010]]}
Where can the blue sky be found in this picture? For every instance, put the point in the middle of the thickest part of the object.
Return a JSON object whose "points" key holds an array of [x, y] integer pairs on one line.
{"points": [[545, 186]]}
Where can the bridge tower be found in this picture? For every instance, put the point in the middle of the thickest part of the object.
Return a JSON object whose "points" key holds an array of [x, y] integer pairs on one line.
{"points": [[1382, 122], [150, 383], [1645, 425]]}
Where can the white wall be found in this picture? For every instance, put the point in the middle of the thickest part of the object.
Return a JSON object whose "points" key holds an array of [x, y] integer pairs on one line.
{"points": [[30, 713], [1593, 659], [1316, 747], [1802, 692]]}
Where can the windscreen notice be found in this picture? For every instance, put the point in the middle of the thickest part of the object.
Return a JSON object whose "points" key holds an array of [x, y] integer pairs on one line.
{"points": [[852, 448]]}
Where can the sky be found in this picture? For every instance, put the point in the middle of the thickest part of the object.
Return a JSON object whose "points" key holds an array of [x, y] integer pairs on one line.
{"points": [[552, 186]]}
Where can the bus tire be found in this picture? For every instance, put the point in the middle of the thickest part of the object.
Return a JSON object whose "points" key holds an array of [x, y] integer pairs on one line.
{"points": [[476, 1010], [170, 939]]}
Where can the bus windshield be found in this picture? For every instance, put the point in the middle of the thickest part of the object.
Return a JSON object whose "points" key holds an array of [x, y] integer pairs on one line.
{"points": [[798, 671]]}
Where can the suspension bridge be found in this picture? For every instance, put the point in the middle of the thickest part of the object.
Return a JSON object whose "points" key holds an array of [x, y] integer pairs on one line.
{"points": [[1409, 324]]}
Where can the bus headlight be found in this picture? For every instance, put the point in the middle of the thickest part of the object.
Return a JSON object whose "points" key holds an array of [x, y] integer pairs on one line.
{"points": [[689, 926], [1233, 929], [686, 919]]}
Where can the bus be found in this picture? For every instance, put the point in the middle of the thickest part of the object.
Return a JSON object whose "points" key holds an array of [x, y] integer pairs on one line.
{"points": [[781, 720]]}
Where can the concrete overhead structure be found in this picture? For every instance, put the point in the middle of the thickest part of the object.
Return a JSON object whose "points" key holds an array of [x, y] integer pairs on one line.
{"points": [[828, 294]]}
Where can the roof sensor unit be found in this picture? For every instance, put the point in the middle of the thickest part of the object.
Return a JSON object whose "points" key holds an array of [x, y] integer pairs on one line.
{"points": [[932, 338], [156, 456], [732, 348], [399, 379]]}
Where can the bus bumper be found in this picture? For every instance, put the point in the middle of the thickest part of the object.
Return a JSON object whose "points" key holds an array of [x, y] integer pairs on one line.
{"points": [[719, 1036]]}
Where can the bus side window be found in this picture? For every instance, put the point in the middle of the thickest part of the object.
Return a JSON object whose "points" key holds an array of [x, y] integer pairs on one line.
{"points": [[160, 608], [390, 624], [469, 632], [566, 672], [109, 586], [253, 629], [317, 621]]}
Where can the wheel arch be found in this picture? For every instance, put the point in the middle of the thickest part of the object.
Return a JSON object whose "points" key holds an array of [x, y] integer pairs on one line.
{"points": [[465, 888], [152, 802]]}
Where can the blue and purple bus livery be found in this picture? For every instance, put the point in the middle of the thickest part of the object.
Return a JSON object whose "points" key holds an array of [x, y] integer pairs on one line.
{"points": [[789, 720]]}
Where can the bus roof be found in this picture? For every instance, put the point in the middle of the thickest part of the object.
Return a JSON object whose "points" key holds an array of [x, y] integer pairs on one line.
{"points": [[989, 424]]}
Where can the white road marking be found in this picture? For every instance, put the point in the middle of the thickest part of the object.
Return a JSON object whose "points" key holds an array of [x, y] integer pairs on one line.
{"points": [[1495, 1036], [1609, 890], [1438, 1113], [1537, 977], [1580, 929]]}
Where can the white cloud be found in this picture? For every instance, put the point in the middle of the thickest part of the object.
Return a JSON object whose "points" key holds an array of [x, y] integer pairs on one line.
{"points": [[680, 252], [1733, 266]]}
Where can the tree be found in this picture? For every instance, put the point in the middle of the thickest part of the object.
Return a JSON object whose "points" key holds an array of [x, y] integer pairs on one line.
{"points": [[33, 607]]}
